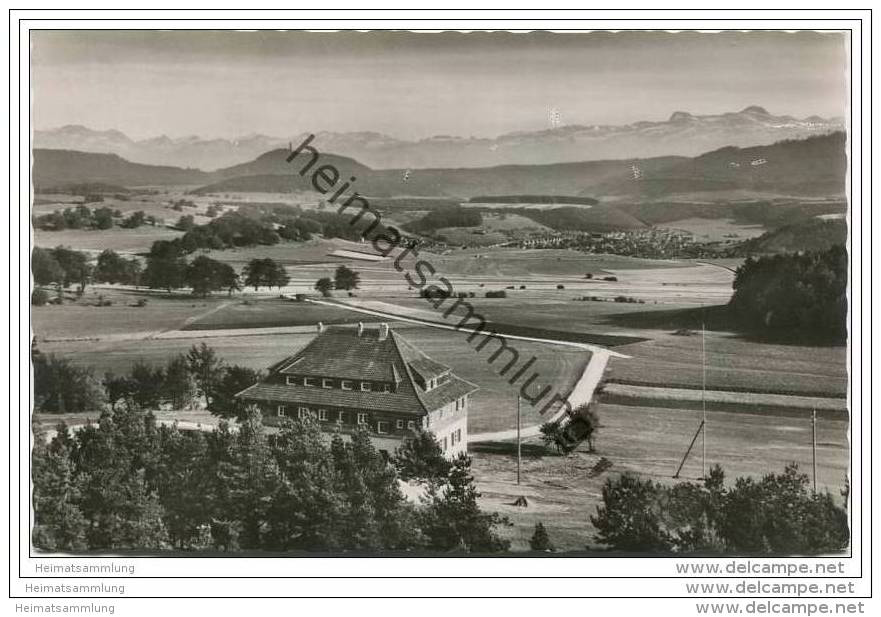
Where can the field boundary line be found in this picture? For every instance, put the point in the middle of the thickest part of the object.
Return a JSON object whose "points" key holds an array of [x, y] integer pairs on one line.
{"points": [[435, 324]]}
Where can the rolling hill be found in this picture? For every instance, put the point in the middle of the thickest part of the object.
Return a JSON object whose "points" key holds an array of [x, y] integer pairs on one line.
{"points": [[813, 166], [809, 235], [52, 168]]}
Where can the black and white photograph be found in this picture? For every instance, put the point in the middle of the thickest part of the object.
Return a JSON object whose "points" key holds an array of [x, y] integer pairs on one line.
{"points": [[363, 293]]}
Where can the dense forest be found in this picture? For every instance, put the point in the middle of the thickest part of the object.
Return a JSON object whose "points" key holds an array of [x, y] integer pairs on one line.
{"points": [[269, 224], [812, 234], [800, 293], [128, 483], [446, 216], [777, 514]]}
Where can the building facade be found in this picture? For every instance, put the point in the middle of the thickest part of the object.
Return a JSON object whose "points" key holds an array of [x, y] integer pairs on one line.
{"points": [[352, 377]]}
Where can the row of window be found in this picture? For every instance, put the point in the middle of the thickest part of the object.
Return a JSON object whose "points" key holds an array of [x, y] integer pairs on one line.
{"points": [[344, 384], [459, 405], [382, 426], [455, 437]]}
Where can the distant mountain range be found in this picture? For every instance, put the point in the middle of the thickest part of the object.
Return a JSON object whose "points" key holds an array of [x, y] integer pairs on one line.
{"points": [[814, 166], [683, 134]]}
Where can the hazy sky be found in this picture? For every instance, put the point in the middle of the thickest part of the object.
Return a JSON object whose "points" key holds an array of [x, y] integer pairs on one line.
{"points": [[410, 85]]}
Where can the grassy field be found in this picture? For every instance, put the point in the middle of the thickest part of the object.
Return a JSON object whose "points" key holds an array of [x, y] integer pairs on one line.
{"points": [[469, 236], [121, 240], [493, 406], [84, 319], [271, 312], [563, 492], [497, 228], [558, 310], [716, 230], [734, 362]]}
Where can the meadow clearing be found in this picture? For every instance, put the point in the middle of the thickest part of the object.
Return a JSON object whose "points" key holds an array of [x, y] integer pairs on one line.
{"points": [[563, 491]]}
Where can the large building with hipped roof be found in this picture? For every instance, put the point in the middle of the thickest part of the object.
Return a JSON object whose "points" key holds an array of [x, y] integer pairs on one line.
{"points": [[352, 377]]}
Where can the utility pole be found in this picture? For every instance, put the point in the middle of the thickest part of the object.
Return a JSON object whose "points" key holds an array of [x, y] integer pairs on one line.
{"points": [[518, 438], [814, 445], [704, 399]]}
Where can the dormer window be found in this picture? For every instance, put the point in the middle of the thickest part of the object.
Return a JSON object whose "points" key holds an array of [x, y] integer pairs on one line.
{"points": [[310, 381], [345, 384], [365, 386], [327, 383], [291, 381]]}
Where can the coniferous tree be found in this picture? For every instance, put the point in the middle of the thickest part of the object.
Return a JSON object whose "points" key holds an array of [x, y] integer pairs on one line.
{"points": [[234, 379], [452, 520], [421, 458], [207, 370], [178, 385], [59, 525], [147, 385], [540, 541], [62, 387], [181, 485], [306, 511]]}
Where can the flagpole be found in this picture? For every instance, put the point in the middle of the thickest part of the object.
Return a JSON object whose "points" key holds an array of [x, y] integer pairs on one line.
{"points": [[704, 398], [518, 438], [814, 445]]}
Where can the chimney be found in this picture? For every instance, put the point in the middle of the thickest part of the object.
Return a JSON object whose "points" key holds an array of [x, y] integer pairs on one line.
{"points": [[320, 327], [360, 328], [383, 331]]}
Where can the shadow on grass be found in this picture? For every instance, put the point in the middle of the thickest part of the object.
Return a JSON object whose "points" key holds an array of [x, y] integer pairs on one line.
{"points": [[717, 318], [509, 448]]}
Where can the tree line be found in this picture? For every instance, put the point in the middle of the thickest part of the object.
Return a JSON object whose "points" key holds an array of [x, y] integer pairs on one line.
{"points": [[83, 217], [777, 514], [167, 267], [264, 225], [128, 483], [199, 378], [446, 216], [802, 293]]}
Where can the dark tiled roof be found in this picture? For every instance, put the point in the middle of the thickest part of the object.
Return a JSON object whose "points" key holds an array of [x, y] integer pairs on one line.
{"points": [[341, 353], [442, 394], [428, 368], [446, 393]]}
